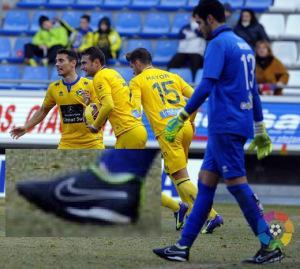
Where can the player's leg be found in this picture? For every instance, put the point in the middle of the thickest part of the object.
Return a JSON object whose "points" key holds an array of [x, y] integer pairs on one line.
{"points": [[135, 138], [108, 192]]}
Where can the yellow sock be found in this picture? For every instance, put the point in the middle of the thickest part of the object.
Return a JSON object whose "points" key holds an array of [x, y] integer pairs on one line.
{"points": [[212, 213], [168, 202]]}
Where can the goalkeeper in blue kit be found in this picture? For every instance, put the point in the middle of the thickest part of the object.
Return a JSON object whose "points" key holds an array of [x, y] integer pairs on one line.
{"points": [[233, 105]]}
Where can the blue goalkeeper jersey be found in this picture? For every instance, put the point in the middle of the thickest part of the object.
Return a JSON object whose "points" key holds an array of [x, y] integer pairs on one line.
{"points": [[230, 62]]}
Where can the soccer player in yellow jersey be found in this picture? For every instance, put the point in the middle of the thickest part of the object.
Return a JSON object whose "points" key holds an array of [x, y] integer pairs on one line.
{"points": [[162, 94], [115, 102], [71, 94]]}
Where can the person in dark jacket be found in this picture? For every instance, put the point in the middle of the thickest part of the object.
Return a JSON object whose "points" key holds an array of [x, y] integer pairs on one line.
{"points": [[249, 28]]}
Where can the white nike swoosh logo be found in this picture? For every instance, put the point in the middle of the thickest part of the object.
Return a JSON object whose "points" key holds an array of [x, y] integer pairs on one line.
{"points": [[79, 195], [168, 251], [100, 214]]}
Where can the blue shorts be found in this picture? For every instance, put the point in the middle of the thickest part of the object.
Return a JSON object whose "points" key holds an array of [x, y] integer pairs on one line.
{"points": [[224, 155]]}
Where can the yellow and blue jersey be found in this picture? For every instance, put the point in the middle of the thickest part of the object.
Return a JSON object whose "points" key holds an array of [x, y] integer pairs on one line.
{"points": [[68, 97], [162, 95], [123, 117]]}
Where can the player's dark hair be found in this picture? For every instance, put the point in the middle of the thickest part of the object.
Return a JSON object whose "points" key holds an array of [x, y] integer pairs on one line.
{"points": [[87, 17], [95, 53], [72, 55], [210, 7], [140, 54]]}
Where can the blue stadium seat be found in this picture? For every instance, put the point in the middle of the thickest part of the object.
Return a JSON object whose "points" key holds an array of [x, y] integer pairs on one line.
{"points": [[258, 5], [9, 72], [97, 16], [35, 19], [60, 3], [16, 22], [235, 4], [191, 4], [133, 44], [54, 75], [31, 3], [87, 4], [172, 4], [198, 77], [72, 17], [17, 55], [35, 74], [115, 4], [156, 24], [143, 5], [5, 48], [125, 71], [185, 73], [164, 51], [180, 20], [128, 23]]}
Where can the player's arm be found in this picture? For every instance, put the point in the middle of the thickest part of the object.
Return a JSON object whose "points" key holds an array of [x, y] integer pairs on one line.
{"points": [[103, 91], [136, 94], [38, 116], [261, 139]]}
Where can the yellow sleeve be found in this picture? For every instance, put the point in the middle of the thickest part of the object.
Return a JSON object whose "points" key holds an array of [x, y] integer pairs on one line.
{"points": [[49, 100], [136, 94], [101, 86], [107, 105], [187, 90]]}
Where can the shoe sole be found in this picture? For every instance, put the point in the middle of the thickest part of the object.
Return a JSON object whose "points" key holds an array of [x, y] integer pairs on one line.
{"points": [[171, 258]]}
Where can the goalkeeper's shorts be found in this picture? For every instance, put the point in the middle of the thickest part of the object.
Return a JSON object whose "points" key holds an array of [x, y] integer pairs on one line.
{"points": [[175, 154], [224, 155]]}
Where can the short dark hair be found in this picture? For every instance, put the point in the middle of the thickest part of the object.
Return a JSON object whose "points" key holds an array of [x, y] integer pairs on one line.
{"points": [[140, 54], [95, 53], [210, 7], [72, 55], [42, 19], [86, 16]]}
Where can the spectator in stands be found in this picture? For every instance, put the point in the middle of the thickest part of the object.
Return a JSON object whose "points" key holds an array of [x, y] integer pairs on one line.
{"points": [[249, 28], [191, 48], [271, 74], [46, 42], [80, 38], [107, 39], [231, 16]]}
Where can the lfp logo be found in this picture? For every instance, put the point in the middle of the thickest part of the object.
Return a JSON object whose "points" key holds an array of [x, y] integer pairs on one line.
{"points": [[281, 228]]}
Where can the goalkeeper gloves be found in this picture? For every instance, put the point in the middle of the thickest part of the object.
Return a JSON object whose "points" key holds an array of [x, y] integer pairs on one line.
{"points": [[261, 141], [174, 125]]}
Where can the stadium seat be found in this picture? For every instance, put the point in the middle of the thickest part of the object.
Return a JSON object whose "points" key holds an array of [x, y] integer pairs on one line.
{"points": [[185, 73], [72, 17], [16, 22], [133, 44], [164, 51], [235, 4], [17, 54], [54, 75], [286, 51], [274, 24], [9, 72], [294, 79], [39, 73], [172, 4], [285, 6], [126, 72], [31, 3], [292, 27], [258, 5], [198, 77], [143, 5], [5, 48], [115, 4], [191, 4], [179, 20], [128, 23], [60, 3], [156, 24], [84, 4], [35, 19], [97, 16]]}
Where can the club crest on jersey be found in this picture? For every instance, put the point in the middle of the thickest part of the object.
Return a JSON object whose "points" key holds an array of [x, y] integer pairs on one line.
{"points": [[79, 92], [61, 93]]}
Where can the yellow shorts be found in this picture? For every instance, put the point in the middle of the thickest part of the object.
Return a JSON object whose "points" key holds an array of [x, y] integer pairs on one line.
{"points": [[175, 153], [135, 138]]}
